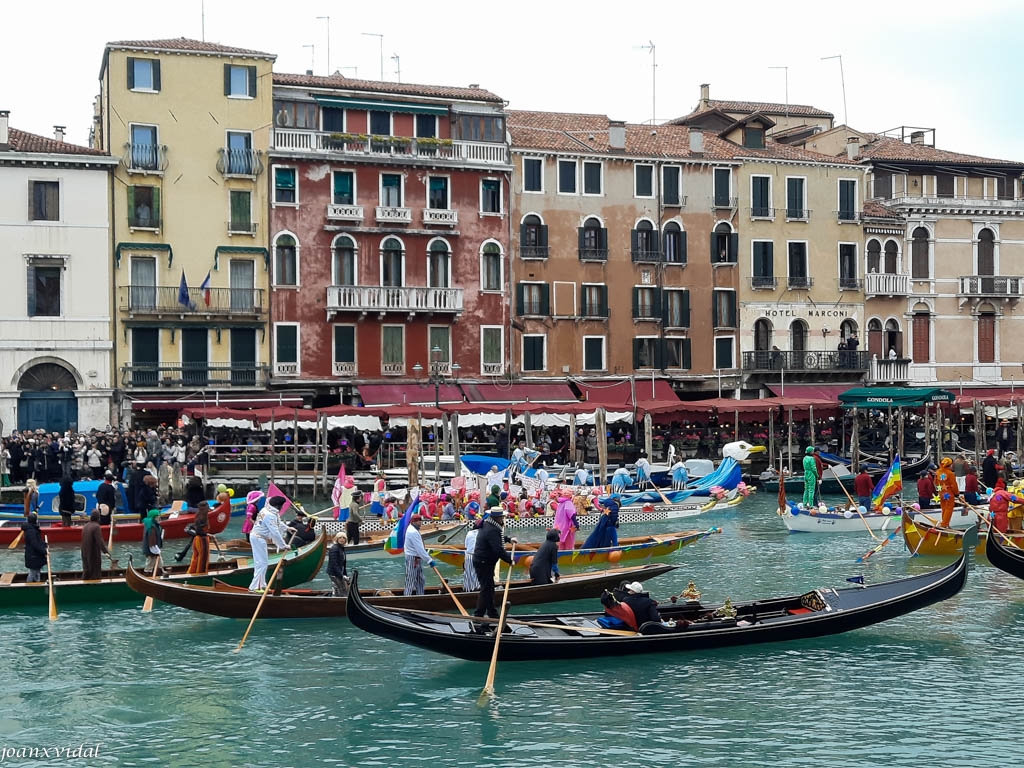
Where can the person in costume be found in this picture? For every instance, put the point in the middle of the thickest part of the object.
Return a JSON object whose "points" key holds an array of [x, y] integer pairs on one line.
{"points": [[267, 530], [643, 470], [251, 500], [416, 556], [581, 476], [152, 538], [810, 477], [544, 567], [679, 476], [200, 562], [948, 490], [565, 521], [606, 534], [470, 583], [380, 487], [93, 547], [337, 566], [620, 479], [999, 505], [971, 487]]}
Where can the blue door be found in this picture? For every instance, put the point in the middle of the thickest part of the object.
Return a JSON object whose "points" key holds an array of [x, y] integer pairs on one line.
{"points": [[52, 411]]}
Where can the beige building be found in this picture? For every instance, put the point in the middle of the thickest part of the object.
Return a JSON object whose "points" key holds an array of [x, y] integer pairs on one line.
{"points": [[190, 121]]}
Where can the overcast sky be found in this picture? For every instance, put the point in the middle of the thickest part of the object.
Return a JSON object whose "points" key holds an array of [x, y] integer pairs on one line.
{"points": [[950, 66]]}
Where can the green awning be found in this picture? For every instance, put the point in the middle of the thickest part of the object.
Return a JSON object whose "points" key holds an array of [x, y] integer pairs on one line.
{"points": [[255, 249], [383, 106], [144, 247], [894, 397]]}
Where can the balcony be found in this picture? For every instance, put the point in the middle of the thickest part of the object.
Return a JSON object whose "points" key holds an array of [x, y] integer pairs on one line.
{"points": [[886, 284], [154, 301], [799, 282], [886, 371], [390, 215], [144, 158], [241, 228], [193, 375], [401, 300], [644, 256], [594, 254], [358, 145], [764, 283], [797, 214], [142, 220], [761, 213], [850, 284], [392, 369], [830, 361], [958, 204], [848, 217], [286, 370], [493, 369], [440, 216], [246, 163], [533, 252], [344, 369], [345, 212], [991, 287], [722, 202]]}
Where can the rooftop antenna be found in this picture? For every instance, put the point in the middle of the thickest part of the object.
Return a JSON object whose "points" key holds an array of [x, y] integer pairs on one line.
{"points": [[842, 79], [380, 37], [654, 79], [328, 20], [202, 19], [786, 72], [312, 57], [398, 66]]}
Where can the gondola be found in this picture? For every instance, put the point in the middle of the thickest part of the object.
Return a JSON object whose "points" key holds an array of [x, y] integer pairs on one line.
{"points": [[923, 538], [1005, 557], [237, 603], [16, 591], [816, 613]]}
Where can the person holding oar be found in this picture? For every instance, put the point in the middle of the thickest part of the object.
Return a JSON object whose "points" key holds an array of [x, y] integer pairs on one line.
{"points": [[415, 556], [948, 490], [35, 547], [489, 549], [92, 548], [268, 529]]}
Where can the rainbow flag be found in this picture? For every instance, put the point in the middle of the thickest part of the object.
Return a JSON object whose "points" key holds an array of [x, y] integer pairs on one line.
{"points": [[890, 484], [395, 543]]}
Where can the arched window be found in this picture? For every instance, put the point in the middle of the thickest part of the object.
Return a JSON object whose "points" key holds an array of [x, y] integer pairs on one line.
{"points": [[763, 344], [874, 256], [847, 329], [286, 261], [392, 262], [593, 241], [876, 344], [798, 340], [724, 245], [490, 267], [675, 244], [893, 338], [344, 260], [645, 245], [986, 252], [892, 253], [533, 238], [922, 326], [439, 261], [986, 333], [919, 254]]}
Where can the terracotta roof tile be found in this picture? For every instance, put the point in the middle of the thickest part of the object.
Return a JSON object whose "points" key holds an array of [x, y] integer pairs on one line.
{"points": [[876, 210], [187, 44], [20, 141], [380, 86], [749, 107], [887, 148]]}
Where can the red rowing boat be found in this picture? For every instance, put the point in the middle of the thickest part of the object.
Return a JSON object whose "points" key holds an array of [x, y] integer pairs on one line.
{"points": [[174, 528]]}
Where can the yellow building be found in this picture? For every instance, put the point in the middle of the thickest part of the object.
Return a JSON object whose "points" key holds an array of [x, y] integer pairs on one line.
{"points": [[190, 121]]}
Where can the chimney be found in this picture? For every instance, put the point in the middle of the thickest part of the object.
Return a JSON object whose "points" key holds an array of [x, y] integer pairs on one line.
{"points": [[309, 71], [705, 94], [696, 141], [617, 134], [5, 117], [853, 147], [58, 132], [917, 137]]}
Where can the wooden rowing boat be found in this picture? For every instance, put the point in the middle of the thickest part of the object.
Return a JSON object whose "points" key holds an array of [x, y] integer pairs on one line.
{"points": [[16, 591], [926, 539], [1005, 557], [629, 548], [239, 603], [369, 546], [820, 612]]}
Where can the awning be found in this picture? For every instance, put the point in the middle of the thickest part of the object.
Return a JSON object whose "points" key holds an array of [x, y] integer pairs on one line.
{"points": [[519, 393], [894, 397], [211, 401], [814, 391], [617, 394], [992, 395], [384, 106], [342, 416], [408, 394]]}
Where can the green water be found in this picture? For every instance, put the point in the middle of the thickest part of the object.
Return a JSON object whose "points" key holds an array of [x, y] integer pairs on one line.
{"points": [[935, 688]]}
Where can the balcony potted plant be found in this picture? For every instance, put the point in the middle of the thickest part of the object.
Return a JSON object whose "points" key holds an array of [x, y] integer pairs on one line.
{"points": [[429, 146], [347, 141]]}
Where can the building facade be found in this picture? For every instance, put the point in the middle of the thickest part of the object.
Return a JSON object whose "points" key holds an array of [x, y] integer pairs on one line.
{"points": [[56, 354], [190, 122], [389, 213]]}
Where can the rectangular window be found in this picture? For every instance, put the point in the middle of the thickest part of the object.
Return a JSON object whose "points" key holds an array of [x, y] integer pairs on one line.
{"points": [[882, 185], [393, 348], [242, 279], [143, 286], [922, 324], [391, 190], [723, 187], [677, 353], [145, 357], [1004, 187], [332, 119], [286, 342], [490, 196], [426, 126], [440, 337], [593, 353], [986, 338], [567, 177], [677, 309], [44, 288], [437, 193], [724, 352], [593, 183], [672, 185], [798, 277], [945, 185], [534, 353], [643, 178], [492, 350], [380, 123], [753, 137], [533, 174], [723, 309], [44, 201], [847, 199], [796, 207], [285, 186], [240, 160], [145, 148], [594, 300], [533, 299], [761, 197], [645, 303], [143, 74], [488, 128], [241, 211], [645, 352], [144, 207], [848, 280], [295, 114], [763, 274], [343, 188], [239, 81]]}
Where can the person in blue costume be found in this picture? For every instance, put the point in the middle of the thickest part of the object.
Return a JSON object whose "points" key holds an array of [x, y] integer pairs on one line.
{"points": [[620, 479], [606, 534]]}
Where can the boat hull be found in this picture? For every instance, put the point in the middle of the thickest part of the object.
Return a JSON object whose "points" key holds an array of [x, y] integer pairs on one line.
{"points": [[174, 528], [922, 538], [1005, 557], [839, 522]]}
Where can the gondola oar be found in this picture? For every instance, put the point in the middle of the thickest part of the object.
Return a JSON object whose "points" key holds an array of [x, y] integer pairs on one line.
{"points": [[259, 605], [885, 541], [147, 606], [856, 507], [488, 690], [110, 536], [49, 581], [983, 516], [455, 600], [17, 540]]}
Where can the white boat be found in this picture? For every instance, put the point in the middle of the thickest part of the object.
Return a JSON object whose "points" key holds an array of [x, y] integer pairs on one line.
{"points": [[848, 521]]}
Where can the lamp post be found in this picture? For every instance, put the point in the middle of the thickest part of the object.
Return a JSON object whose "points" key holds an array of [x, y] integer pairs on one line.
{"points": [[437, 376]]}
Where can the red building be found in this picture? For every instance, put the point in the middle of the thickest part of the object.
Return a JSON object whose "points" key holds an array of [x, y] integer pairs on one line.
{"points": [[389, 234]]}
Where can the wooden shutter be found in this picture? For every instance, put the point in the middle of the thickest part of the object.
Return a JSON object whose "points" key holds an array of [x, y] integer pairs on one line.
{"points": [[986, 338], [734, 247], [227, 79], [602, 307], [251, 73], [581, 239], [686, 309], [155, 213], [636, 303], [522, 236], [687, 357], [655, 242], [682, 247], [634, 241], [156, 74], [131, 203], [520, 299], [31, 295], [636, 353], [656, 302], [922, 338], [545, 299], [542, 235], [131, 72]]}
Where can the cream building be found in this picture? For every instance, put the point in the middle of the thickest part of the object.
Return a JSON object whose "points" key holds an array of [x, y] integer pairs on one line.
{"points": [[190, 122], [55, 348]]}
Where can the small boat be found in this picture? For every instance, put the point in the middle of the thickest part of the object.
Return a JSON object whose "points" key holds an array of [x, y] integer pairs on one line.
{"points": [[16, 591], [1005, 557], [629, 548], [49, 504], [174, 528], [923, 538], [846, 520], [820, 612], [239, 603], [838, 476]]}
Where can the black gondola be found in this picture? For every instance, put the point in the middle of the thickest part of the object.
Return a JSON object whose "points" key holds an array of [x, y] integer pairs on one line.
{"points": [[1005, 558], [571, 636]]}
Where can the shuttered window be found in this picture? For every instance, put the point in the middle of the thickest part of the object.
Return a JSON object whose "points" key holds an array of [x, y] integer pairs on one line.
{"points": [[986, 338], [922, 337]]}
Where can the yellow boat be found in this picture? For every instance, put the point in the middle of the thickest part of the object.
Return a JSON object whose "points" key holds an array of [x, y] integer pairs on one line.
{"points": [[927, 539]]}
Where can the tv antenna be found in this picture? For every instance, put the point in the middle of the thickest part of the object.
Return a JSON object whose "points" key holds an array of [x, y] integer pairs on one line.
{"points": [[398, 66], [654, 78], [842, 79]]}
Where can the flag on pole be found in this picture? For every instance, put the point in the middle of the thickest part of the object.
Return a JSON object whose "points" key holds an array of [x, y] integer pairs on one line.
{"points": [[890, 484], [183, 297], [273, 490], [339, 487], [205, 288], [395, 543]]}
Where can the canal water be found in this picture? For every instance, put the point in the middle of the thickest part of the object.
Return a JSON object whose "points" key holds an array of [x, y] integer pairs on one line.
{"points": [[940, 687]]}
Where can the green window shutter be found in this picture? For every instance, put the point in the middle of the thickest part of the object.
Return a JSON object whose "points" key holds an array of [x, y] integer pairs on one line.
{"points": [[636, 303], [659, 353], [714, 310], [520, 299], [131, 202], [602, 238], [687, 360], [251, 72], [634, 242], [714, 242], [545, 300], [686, 309], [734, 247], [31, 295], [682, 246], [636, 354], [344, 344], [287, 344], [655, 241], [227, 79], [156, 206], [656, 303], [131, 73], [156, 74], [603, 305], [579, 238], [542, 237]]}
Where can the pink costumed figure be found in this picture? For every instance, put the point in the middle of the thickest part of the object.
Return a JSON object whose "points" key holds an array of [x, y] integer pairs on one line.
{"points": [[251, 499], [565, 522]]}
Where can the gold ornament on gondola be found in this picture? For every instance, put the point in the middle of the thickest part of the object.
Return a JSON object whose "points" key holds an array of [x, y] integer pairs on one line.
{"points": [[726, 611], [691, 592]]}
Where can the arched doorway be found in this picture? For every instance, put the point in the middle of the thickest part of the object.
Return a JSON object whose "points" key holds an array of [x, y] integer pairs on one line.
{"points": [[763, 343], [798, 342], [876, 344], [893, 338], [47, 398]]}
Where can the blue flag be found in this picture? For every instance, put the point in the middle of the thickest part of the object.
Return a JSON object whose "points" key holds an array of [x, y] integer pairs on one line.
{"points": [[183, 297]]}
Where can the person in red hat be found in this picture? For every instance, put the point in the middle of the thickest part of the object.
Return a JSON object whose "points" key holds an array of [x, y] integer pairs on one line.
{"points": [[990, 469], [415, 556]]}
